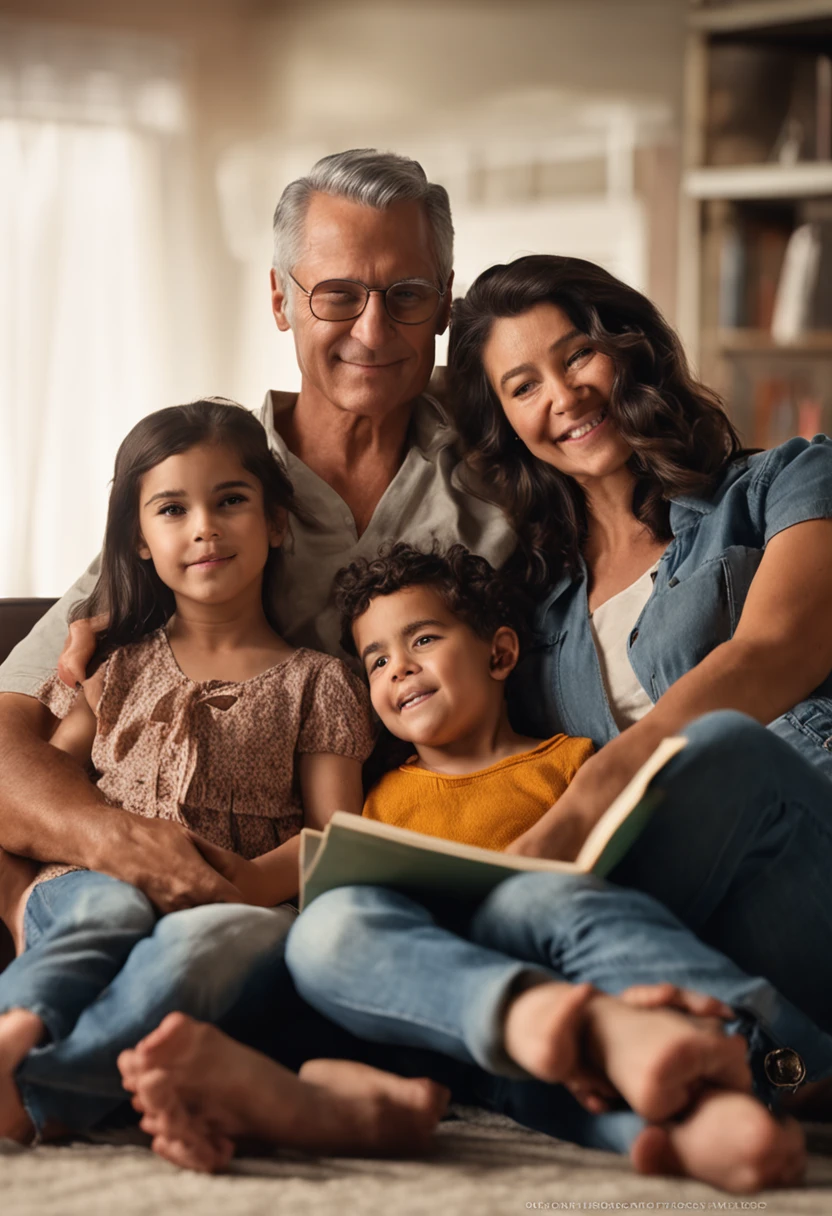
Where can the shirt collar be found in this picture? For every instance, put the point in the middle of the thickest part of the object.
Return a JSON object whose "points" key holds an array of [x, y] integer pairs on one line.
{"points": [[430, 426], [687, 510]]}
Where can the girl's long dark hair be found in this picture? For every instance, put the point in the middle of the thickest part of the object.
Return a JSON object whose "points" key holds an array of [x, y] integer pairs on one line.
{"points": [[679, 433], [129, 591]]}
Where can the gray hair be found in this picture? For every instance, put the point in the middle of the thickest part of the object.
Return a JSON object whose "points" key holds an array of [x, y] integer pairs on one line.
{"points": [[366, 176]]}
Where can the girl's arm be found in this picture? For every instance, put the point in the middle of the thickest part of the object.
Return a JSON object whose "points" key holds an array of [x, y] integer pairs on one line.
{"points": [[76, 732], [781, 651], [328, 783]]}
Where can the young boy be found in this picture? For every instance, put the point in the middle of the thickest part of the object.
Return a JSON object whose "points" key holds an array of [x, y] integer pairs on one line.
{"points": [[437, 636]]}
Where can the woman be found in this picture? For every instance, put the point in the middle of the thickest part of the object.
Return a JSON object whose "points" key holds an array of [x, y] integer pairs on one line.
{"points": [[674, 573]]}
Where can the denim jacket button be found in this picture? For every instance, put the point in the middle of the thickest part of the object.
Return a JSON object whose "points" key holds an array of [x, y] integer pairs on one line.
{"points": [[784, 1068], [633, 637]]}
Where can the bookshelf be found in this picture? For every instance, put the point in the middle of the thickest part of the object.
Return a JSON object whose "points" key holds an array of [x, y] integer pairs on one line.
{"points": [[755, 239]]}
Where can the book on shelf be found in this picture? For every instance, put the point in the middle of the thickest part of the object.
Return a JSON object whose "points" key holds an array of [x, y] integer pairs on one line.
{"points": [[798, 281], [751, 256], [768, 103], [784, 407], [803, 301], [352, 850]]}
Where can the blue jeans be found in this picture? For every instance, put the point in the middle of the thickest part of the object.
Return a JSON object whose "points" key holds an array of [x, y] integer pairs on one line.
{"points": [[741, 851], [739, 806], [102, 969]]}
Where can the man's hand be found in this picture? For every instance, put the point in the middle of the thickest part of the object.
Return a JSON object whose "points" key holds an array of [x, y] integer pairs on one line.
{"points": [[248, 880], [79, 648], [160, 858]]}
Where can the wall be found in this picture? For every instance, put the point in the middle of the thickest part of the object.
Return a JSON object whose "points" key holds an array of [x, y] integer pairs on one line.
{"points": [[273, 84]]}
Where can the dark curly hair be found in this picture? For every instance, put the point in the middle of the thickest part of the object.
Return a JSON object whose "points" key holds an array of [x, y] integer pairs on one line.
{"points": [[468, 585], [128, 589], [680, 436]]}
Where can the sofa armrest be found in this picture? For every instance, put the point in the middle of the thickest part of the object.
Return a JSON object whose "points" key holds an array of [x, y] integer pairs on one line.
{"points": [[17, 617]]}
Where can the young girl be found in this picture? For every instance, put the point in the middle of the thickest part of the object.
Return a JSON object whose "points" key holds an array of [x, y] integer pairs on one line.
{"points": [[201, 714]]}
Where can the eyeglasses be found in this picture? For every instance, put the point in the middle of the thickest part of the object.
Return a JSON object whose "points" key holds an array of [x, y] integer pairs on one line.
{"points": [[408, 302]]}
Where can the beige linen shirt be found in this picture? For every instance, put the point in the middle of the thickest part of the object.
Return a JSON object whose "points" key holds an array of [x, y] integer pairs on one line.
{"points": [[425, 501]]}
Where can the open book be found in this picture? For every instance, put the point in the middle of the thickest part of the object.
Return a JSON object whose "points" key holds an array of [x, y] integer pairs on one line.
{"points": [[353, 851]]}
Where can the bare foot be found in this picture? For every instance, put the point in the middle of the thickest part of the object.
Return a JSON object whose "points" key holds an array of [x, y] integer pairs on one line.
{"points": [[200, 1091], [350, 1079], [20, 1031], [657, 1059], [17, 876], [729, 1140]]}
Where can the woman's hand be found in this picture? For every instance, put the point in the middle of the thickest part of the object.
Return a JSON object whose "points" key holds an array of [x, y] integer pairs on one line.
{"points": [[561, 832]]}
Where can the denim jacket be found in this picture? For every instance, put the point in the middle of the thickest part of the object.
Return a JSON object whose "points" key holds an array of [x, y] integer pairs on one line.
{"points": [[697, 599]]}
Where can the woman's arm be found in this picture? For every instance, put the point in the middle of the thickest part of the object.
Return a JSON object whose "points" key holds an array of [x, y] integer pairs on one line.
{"points": [[781, 651], [328, 783]]}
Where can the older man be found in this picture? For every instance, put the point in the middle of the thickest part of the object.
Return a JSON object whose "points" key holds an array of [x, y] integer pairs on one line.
{"points": [[363, 266]]}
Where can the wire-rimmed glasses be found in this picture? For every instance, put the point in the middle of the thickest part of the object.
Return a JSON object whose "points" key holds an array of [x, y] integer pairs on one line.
{"points": [[408, 302]]}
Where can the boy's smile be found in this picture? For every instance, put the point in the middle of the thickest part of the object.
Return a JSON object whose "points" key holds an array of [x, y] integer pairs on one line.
{"points": [[433, 681]]}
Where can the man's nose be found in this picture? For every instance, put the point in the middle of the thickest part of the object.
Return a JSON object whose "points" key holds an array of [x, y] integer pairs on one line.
{"points": [[375, 325]]}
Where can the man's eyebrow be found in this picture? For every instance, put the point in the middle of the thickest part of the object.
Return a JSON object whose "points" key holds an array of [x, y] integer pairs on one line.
{"points": [[406, 632], [221, 485], [529, 367]]}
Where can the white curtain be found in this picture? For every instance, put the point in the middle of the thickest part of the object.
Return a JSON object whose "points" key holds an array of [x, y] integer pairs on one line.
{"points": [[97, 307]]}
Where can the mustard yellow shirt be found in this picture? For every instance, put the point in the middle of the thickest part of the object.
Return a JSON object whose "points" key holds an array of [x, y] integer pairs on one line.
{"points": [[489, 808]]}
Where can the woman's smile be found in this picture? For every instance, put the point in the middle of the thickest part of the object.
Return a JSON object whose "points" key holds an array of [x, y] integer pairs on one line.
{"points": [[583, 429]]}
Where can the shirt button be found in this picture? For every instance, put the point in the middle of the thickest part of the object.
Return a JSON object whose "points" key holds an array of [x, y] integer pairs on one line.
{"points": [[633, 637]]}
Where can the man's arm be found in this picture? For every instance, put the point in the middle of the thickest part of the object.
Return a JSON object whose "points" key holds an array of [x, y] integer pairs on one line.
{"points": [[50, 811]]}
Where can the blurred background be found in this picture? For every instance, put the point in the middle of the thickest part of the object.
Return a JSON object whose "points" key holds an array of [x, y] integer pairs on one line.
{"points": [[143, 148]]}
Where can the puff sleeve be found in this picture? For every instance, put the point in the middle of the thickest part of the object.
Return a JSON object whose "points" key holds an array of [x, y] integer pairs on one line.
{"points": [[336, 713]]}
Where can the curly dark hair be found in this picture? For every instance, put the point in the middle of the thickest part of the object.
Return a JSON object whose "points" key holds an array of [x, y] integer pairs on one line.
{"points": [[680, 436], [469, 586], [128, 589]]}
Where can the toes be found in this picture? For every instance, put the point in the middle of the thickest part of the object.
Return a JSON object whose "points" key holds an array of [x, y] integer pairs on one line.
{"points": [[164, 1044], [738, 1073], [430, 1097], [195, 1155], [127, 1064], [652, 1152]]}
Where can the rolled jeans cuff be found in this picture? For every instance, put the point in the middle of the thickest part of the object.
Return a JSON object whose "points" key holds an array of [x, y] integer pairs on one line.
{"points": [[485, 1023], [771, 1024]]}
